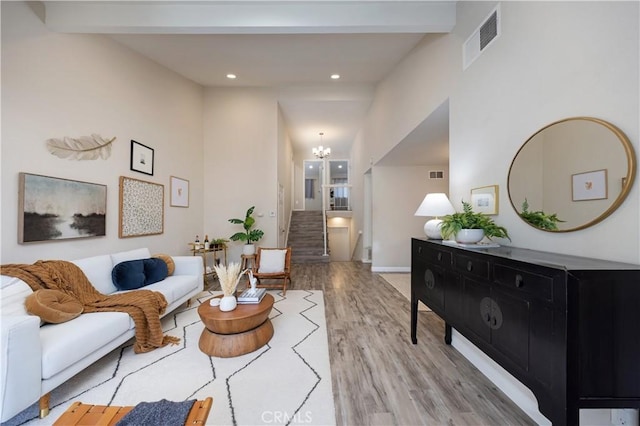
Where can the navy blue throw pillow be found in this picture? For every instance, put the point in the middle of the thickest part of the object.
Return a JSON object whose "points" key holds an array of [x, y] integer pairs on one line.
{"points": [[155, 270], [128, 275]]}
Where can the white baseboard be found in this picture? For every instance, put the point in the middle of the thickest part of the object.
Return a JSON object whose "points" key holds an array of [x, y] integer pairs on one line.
{"points": [[391, 269]]}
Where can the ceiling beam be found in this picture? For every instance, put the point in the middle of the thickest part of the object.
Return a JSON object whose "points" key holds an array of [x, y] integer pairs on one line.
{"points": [[250, 17]]}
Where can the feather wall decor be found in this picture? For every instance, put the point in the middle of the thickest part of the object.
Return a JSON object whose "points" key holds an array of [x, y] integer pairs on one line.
{"points": [[82, 148]]}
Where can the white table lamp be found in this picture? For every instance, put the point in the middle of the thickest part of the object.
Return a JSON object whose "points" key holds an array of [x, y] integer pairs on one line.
{"points": [[434, 204]]}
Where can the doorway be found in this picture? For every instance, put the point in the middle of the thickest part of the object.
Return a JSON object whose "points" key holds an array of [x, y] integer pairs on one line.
{"points": [[313, 185]]}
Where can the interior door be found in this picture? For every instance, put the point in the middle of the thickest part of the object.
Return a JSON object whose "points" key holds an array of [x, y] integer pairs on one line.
{"points": [[312, 185], [339, 250]]}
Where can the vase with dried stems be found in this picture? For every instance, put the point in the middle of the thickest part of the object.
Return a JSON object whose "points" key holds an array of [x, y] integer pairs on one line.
{"points": [[229, 277]]}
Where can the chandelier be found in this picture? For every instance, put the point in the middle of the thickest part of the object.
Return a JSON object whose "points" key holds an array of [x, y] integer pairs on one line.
{"points": [[321, 152]]}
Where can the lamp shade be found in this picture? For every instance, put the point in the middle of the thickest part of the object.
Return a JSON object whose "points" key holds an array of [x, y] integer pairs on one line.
{"points": [[435, 204]]}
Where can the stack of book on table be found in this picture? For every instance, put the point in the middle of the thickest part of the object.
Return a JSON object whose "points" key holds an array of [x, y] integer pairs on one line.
{"points": [[252, 296]]}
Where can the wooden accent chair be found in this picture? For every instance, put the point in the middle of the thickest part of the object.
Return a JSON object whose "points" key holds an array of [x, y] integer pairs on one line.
{"points": [[269, 265]]}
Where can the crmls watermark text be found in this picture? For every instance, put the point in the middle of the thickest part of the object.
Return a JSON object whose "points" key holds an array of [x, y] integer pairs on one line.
{"points": [[282, 417]]}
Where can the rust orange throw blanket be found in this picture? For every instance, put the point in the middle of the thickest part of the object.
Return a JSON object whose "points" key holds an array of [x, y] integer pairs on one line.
{"points": [[144, 306]]}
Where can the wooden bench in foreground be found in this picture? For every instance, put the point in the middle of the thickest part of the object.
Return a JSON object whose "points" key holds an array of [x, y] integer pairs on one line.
{"points": [[83, 414]]}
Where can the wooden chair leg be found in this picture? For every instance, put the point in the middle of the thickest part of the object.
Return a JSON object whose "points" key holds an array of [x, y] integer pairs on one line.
{"points": [[44, 405]]}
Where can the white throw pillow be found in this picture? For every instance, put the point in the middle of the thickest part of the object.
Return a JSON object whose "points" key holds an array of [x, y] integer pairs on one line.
{"points": [[272, 261], [97, 269], [123, 256]]}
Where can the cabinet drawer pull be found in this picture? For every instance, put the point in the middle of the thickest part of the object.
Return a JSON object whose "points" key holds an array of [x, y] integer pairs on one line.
{"points": [[519, 281], [419, 249], [469, 266], [439, 257]]}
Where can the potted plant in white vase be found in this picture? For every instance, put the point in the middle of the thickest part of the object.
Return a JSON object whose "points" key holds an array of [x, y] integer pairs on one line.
{"points": [[470, 227], [249, 236]]}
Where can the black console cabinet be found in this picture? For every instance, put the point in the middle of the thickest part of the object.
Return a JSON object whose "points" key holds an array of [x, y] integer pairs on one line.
{"points": [[567, 327]]}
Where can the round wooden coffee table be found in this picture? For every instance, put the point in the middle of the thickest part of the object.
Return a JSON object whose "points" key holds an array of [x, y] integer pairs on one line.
{"points": [[236, 332]]}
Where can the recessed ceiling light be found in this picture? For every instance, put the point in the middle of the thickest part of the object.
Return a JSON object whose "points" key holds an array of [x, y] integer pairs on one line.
{"points": [[311, 166], [335, 76], [231, 76], [340, 166]]}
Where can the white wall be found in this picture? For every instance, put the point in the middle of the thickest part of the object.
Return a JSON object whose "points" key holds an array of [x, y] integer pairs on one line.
{"points": [[285, 158], [584, 62], [360, 203], [339, 235], [241, 162], [56, 85], [411, 92], [398, 193]]}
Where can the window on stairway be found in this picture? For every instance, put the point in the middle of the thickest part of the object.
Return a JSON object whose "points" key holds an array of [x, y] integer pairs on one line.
{"points": [[339, 180], [340, 192]]}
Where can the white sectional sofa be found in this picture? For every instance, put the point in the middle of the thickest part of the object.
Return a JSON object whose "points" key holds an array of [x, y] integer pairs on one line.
{"points": [[36, 359]]}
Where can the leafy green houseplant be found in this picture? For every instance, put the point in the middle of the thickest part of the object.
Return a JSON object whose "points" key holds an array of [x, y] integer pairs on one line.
{"points": [[219, 242], [539, 219], [249, 235], [468, 219]]}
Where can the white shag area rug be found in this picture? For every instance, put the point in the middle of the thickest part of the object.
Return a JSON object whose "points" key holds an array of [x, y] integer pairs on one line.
{"points": [[288, 381], [402, 283]]}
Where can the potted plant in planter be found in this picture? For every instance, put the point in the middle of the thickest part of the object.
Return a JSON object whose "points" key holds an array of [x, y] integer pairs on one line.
{"points": [[249, 236], [470, 227], [218, 243], [539, 219]]}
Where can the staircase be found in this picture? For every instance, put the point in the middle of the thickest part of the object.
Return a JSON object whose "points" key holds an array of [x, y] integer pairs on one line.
{"points": [[305, 237]]}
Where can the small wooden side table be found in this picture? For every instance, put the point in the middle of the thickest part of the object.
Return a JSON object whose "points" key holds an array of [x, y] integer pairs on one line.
{"points": [[248, 261], [237, 332]]}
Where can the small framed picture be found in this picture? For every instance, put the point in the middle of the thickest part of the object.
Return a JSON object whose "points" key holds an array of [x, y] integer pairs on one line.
{"points": [[141, 158], [589, 185], [179, 192], [485, 199]]}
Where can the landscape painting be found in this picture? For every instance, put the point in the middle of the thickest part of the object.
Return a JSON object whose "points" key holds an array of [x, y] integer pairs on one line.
{"points": [[58, 209]]}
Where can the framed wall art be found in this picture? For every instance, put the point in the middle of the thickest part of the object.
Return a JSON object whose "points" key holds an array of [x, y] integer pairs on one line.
{"points": [[141, 158], [141, 208], [589, 185], [52, 208], [179, 192], [485, 199]]}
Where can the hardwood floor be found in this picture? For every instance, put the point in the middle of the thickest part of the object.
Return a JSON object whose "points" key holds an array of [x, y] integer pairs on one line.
{"points": [[379, 377]]}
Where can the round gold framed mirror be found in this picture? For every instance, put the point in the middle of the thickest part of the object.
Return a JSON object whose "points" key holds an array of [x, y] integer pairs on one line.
{"points": [[571, 174]]}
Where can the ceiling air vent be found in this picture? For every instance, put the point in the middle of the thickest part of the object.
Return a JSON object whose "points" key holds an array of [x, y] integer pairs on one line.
{"points": [[481, 38], [436, 174]]}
